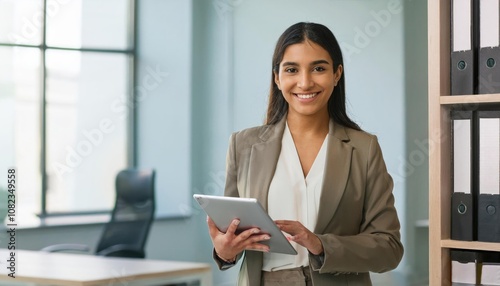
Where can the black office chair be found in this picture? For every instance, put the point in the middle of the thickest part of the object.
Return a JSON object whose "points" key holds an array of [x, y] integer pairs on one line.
{"points": [[126, 233]]}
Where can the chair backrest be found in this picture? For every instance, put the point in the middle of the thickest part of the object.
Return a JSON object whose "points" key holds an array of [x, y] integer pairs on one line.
{"points": [[126, 233]]}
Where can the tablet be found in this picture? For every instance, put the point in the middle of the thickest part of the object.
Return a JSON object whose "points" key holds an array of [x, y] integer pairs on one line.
{"points": [[222, 210]]}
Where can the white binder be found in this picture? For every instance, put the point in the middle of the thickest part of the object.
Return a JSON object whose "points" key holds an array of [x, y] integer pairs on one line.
{"points": [[489, 46], [462, 48]]}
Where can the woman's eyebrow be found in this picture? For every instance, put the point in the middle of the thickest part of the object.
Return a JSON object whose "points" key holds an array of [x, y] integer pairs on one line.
{"points": [[311, 64], [319, 62]]}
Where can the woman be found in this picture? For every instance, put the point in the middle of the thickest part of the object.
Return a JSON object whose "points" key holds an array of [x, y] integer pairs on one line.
{"points": [[319, 176]]}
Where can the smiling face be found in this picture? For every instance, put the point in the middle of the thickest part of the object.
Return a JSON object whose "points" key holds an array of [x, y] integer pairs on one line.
{"points": [[306, 78]]}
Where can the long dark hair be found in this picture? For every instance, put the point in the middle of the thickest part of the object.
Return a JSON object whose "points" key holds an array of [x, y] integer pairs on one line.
{"points": [[322, 36]]}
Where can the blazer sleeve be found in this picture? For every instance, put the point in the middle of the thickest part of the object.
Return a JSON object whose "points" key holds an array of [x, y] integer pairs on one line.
{"points": [[377, 246], [231, 189]]}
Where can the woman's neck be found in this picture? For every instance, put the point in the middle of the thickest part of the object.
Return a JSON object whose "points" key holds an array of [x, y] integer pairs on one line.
{"points": [[316, 125]]}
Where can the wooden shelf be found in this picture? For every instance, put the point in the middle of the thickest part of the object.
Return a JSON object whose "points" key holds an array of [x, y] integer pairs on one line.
{"points": [[469, 99], [440, 183], [474, 245]]}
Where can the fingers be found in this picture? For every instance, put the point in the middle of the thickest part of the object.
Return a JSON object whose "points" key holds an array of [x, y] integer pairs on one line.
{"points": [[301, 235], [258, 247], [212, 228], [254, 243], [229, 244], [250, 240], [244, 235], [231, 229], [290, 227], [283, 221]]}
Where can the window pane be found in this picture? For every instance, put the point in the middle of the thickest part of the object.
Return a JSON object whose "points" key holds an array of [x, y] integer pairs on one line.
{"points": [[86, 128], [21, 21], [20, 80], [89, 24]]}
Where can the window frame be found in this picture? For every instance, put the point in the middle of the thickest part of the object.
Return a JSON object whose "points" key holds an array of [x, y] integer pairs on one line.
{"points": [[130, 53]]}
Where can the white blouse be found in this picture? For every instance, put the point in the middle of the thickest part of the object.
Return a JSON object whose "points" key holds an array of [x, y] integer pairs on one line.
{"points": [[291, 197]]}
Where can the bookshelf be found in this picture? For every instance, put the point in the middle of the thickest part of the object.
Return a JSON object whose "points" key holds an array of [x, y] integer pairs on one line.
{"points": [[440, 103]]}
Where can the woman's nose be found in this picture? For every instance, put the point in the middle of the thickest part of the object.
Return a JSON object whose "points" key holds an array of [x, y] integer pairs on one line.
{"points": [[305, 81]]}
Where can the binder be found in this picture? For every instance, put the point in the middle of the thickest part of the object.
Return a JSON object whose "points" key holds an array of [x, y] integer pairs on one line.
{"points": [[462, 47], [489, 47], [463, 267], [462, 199], [489, 268], [489, 177]]}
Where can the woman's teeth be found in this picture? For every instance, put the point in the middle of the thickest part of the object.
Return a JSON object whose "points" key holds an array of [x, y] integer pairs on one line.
{"points": [[305, 96]]}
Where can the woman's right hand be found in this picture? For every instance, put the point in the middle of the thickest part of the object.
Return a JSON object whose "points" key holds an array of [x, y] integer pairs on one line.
{"points": [[228, 245]]}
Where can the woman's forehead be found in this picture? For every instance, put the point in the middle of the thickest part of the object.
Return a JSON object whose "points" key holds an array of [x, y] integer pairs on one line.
{"points": [[305, 52]]}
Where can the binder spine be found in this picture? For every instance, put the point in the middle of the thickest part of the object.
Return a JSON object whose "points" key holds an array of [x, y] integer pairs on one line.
{"points": [[476, 34], [489, 70], [462, 70], [489, 47], [475, 171], [464, 59], [487, 177], [463, 202]]}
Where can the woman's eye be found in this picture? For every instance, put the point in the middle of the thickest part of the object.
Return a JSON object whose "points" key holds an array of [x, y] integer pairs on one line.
{"points": [[319, 69], [291, 70]]}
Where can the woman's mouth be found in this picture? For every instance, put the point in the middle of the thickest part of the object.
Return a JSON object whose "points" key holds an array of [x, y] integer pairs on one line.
{"points": [[306, 95]]}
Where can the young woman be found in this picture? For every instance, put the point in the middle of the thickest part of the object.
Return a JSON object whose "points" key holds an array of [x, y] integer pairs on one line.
{"points": [[319, 176]]}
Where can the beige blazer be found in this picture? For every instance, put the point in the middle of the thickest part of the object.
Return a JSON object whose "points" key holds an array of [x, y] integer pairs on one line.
{"points": [[357, 222]]}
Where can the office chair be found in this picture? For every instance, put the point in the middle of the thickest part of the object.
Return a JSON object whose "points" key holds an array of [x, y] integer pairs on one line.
{"points": [[126, 233]]}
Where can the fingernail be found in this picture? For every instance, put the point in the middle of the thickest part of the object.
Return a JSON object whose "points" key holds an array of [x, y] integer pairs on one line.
{"points": [[256, 231], [266, 237], [236, 221]]}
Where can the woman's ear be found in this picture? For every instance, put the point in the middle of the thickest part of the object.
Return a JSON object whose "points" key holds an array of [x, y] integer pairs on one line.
{"points": [[338, 74], [277, 79]]}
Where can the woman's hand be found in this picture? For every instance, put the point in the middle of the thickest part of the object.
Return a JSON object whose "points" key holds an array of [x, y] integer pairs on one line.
{"points": [[228, 245], [301, 235]]}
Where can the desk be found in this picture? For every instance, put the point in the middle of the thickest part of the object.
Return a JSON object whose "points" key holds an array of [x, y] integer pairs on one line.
{"points": [[63, 269]]}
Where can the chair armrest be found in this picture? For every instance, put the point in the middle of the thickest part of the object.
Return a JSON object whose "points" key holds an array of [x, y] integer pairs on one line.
{"points": [[122, 250], [66, 247]]}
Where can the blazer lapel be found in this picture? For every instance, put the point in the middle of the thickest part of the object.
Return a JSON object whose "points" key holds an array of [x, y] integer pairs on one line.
{"points": [[262, 165], [337, 168], [263, 160]]}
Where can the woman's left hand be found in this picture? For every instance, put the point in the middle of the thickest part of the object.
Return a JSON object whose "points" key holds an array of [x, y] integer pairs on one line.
{"points": [[301, 235]]}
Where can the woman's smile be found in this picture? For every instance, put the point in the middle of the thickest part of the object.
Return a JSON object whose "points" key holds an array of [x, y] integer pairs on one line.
{"points": [[306, 95]]}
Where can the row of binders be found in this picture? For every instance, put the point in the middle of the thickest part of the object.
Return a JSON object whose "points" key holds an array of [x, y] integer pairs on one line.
{"points": [[475, 47], [475, 201], [475, 268]]}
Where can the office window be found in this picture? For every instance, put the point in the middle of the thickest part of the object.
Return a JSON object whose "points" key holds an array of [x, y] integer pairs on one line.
{"points": [[66, 114]]}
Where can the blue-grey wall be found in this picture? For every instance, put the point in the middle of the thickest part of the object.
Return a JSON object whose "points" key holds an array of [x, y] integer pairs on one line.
{"points": [[415, 165], [164, 89]]}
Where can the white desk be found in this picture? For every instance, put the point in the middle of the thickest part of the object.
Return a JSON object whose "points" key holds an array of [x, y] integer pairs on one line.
{"points": [[62, 269]]}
